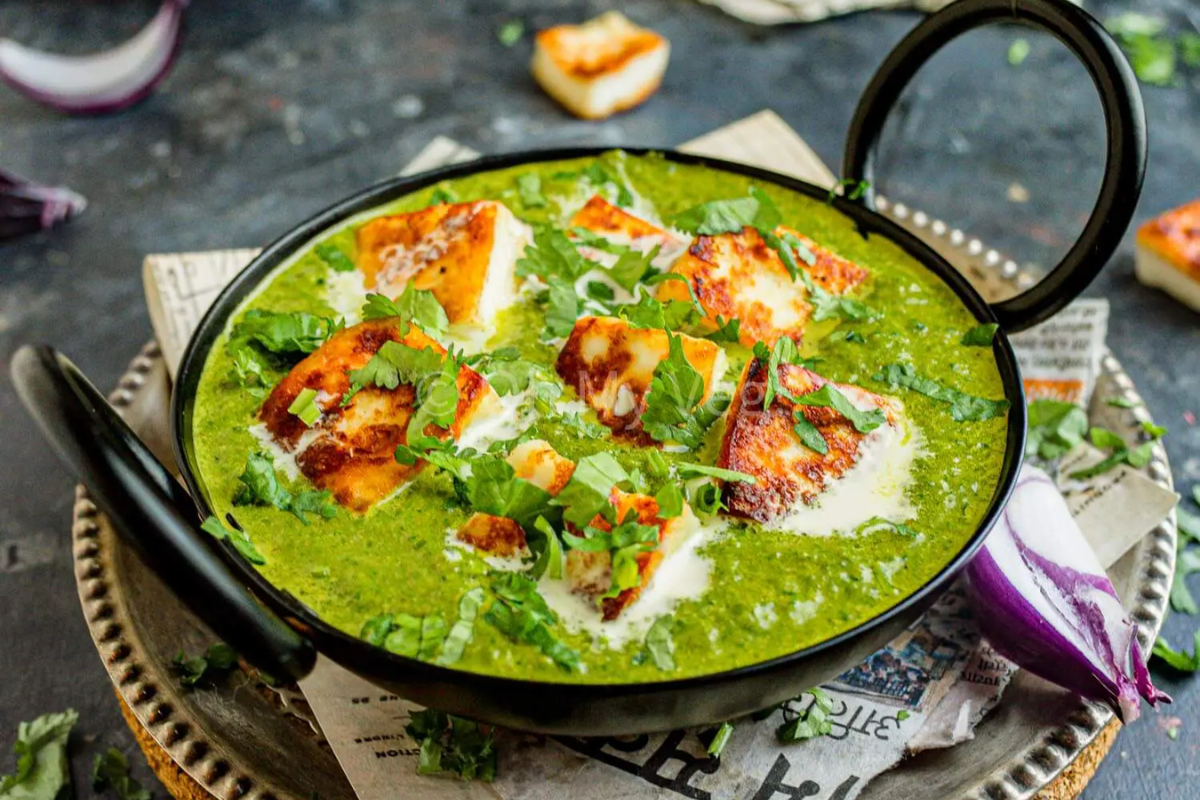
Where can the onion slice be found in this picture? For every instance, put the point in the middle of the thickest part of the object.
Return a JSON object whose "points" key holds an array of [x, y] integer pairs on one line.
{"points": [[26, 207], [1043, 600], [102, 82]]}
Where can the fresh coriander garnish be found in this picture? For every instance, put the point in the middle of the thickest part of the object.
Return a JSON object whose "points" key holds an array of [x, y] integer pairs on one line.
{"points": [[463, 628], [265, 340], [980, 335], [670, 501], [1121, 402], [110, 770], [238, 538], [810, 722], [334, 258], [196, 671], [1120, 453], [809, 434], [417, 306], [395, 363], [510, 32], [705, 498], [1055, 426], [660, 645], [521, 614], [850, 188], [648, 312], [716, 745], [624, 543], [659, 468], [1018, 51], [305, 407], [261, 487], [550, 555], [491, 487], [728, 330], [732, 476], [43, 770], [562, 309], [452, 746], [600, 291], [1178, 659], [553, 255], [587, 493], [963, 407], [529, 189], [829, 397], [783, 352], [1187, 562], [632, 267], [598, 175], [675, 407], [589, 238], [855, 337], [443, 195]]}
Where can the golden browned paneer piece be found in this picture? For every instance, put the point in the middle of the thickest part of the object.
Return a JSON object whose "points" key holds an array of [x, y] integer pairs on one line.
{"points": [[590, 573], [1168, 253], [465, 253], [602, 217], [350, 450], [763, 444], [610, 366], [737, 276], [540, 464], [603, 66], [496, 536]]}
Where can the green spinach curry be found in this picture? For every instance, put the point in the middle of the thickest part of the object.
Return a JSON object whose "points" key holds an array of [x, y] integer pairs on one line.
{"points": [[797, 509]]}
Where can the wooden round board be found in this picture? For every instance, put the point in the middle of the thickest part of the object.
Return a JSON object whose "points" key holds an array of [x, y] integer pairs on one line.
{"points": [[240, 740]]}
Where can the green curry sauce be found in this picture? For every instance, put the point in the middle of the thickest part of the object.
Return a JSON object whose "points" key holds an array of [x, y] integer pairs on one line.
{"points": [[769, 593]]}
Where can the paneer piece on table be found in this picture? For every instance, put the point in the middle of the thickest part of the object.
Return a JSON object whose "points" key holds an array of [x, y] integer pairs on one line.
{"points": [[1168, 253], [738, 276], [603, 66], [350, 449], [762, 443], [465, 253], [610, 365]]}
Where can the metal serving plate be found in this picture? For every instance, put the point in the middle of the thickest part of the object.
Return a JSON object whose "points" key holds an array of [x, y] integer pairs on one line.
{"points": [[239, 741]]}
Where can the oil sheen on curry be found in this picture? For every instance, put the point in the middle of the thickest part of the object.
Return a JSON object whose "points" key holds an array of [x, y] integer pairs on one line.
{"points": [[601, 420]]}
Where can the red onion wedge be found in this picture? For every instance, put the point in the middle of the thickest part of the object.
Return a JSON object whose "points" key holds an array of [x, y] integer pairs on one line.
{"points": [[26, 207], [99, 83], [1042, 600]]}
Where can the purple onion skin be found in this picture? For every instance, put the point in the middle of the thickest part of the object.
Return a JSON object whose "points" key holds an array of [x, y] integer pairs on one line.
{"points": [[170, 16], [1059, 618], [26, 207]]}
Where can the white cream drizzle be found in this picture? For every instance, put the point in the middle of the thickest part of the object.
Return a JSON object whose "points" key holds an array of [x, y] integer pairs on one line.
{"points": [[499, 419]]}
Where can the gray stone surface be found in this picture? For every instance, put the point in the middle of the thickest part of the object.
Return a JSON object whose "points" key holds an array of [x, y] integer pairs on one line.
{"points": [[278, 108]]}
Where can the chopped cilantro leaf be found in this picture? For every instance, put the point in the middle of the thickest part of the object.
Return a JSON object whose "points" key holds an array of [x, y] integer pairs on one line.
{"points": [[727, 330], [659, 468], [586, 493], [43, 770], [809, 435], [110, 770], [598, 175], [693, 470], [1155, 432], [1121, 402], [549, 559], [1103, 437], [1187, 562], [597, 290], [553, 255], [333, 256], [1055, 426], [1180, 660], [414, 305], [442, 195], [963, 407], [829, 397], [463, 628], [705, 498], [529, 188], [648, 312], [238, 538], [784, 352], [1189, 524], [717, 216], [980, 335], [452, 745], [850, 188], [305, 407], [284, 333], [632, 266], [493, 488], [510, 32], [261, 487], [675, 411], [670, 500], [1018, 51], [808, 723], [660, 645], [521, 614], [197, 671], [589, 238], [562, 309], [855, 337], [395, 363], [716, 745]]}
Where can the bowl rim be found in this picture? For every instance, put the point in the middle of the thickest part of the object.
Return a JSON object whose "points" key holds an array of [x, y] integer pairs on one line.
{"points": [[370, 660]]}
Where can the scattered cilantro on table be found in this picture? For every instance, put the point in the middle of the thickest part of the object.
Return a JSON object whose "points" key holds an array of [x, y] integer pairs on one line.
{"points": [[716, 745], [452, 746], [198, 671], [43, 771], [510, 32], [1180, 660], [110, 770], [809, 722]]}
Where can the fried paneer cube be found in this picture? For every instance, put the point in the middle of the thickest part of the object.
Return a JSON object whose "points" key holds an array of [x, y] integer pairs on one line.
{"points": [[1168, 253], [590, 572], [603, 66], [762, 443], [540, 464], [350, 449], [465, 253], [610, 365], [738, 276], [621, 227]]}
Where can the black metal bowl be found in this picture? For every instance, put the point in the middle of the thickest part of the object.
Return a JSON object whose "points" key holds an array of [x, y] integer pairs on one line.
{"points": [[281, 636]]}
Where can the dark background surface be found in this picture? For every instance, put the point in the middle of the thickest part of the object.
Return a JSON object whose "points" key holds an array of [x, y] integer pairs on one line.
{"points": [[276, 109]]}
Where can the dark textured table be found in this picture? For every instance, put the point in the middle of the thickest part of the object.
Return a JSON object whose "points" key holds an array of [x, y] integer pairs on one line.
{"points": [[278, 108]]}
